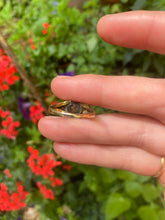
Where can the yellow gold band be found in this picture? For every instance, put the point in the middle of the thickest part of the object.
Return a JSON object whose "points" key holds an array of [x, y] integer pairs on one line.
{"points": [[161, 167]]}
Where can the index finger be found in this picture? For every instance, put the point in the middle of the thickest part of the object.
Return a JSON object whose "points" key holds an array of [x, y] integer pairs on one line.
{"points": [[136, 29], [131, 94]]}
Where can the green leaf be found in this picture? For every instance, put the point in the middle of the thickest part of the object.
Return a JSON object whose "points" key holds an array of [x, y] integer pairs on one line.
{"points": [[147, 213], [107, 176], [37, 27], [91, 3], [124, 1], [18, 155], [116, 205], [116, 8], [139, 4], [71, 67], [5, 13], [91, 43], [62, 50], [51, 49], [150, 192], [147, 63], [159, 66], [143, 179], [133, 188], [161, 215], [128, 56], [33, 132], [126, 175]]}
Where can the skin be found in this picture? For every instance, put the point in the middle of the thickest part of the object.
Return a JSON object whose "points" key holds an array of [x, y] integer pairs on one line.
{"points": [[133, 140]]}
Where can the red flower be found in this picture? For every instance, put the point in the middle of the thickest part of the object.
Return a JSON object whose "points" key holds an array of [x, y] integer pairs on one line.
{"points": [[47, 193], [36, 112], [8, 125], [13, 201], [7, 172], [66, 167], [7, 71], [32, 44], [3, 187], [30, 149], [47, 93], [46, 25], [1, 52], [45, 31], [42, 165], [3, 113], [56, 181], [30, 40]]}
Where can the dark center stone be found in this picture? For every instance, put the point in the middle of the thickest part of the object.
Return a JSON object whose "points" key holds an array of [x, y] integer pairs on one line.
{"points": [[73, 107]]}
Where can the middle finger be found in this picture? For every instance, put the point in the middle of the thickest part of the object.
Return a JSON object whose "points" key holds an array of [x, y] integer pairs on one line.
{"points": [[107, 129]]}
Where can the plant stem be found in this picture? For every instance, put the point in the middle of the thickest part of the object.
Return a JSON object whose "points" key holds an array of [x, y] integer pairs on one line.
{"points": [[22, 72]]}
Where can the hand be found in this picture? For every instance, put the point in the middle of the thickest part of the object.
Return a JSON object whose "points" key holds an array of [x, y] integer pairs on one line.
{"points": [[134, 140]]}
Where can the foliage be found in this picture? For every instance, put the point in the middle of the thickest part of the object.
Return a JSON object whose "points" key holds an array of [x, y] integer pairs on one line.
{"points": [[50, 38]]}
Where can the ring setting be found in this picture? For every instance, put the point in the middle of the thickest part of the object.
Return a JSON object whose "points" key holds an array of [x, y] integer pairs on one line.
{"points": [[71, 109], [161, 168]]}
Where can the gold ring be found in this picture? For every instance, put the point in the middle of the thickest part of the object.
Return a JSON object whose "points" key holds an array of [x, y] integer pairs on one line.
{"points": [[71, 109], [161, 168]]}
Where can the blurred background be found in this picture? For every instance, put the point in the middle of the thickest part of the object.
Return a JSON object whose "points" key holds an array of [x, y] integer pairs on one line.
{"points": [[40, 39]]}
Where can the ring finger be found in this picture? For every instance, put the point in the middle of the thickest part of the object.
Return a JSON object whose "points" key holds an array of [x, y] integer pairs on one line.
{"points": [[119, 157]]}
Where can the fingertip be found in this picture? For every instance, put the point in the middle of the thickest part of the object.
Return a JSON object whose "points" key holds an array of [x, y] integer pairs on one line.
{"points": [[40, 123], [53, 84], [65, 150], [101, 26], [59, 83], [45, 124], [42, 126]]}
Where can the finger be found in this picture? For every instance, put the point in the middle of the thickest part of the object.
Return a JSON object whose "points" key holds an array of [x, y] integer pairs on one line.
{"points": [[138, 95], [126, 158], [107, 129], [118, 157], [161, 177], [136, 29]]}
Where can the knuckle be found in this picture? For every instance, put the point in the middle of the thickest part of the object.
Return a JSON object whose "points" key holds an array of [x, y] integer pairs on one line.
{"points": [[139, 135], [157, 101]]}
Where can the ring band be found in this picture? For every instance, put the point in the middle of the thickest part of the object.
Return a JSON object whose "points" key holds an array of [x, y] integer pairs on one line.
{"points": [[161, 168]]}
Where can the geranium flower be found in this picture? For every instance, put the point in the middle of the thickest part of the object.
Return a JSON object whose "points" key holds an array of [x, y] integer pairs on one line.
{"points": [[45, 31], [43, 165], [7, 71], [9, 127], [46, 26], [7, 173], [36, 112], [3, 113], [56, 181], [47, 193], [66, 167], [12, 201], [32, 44]]}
